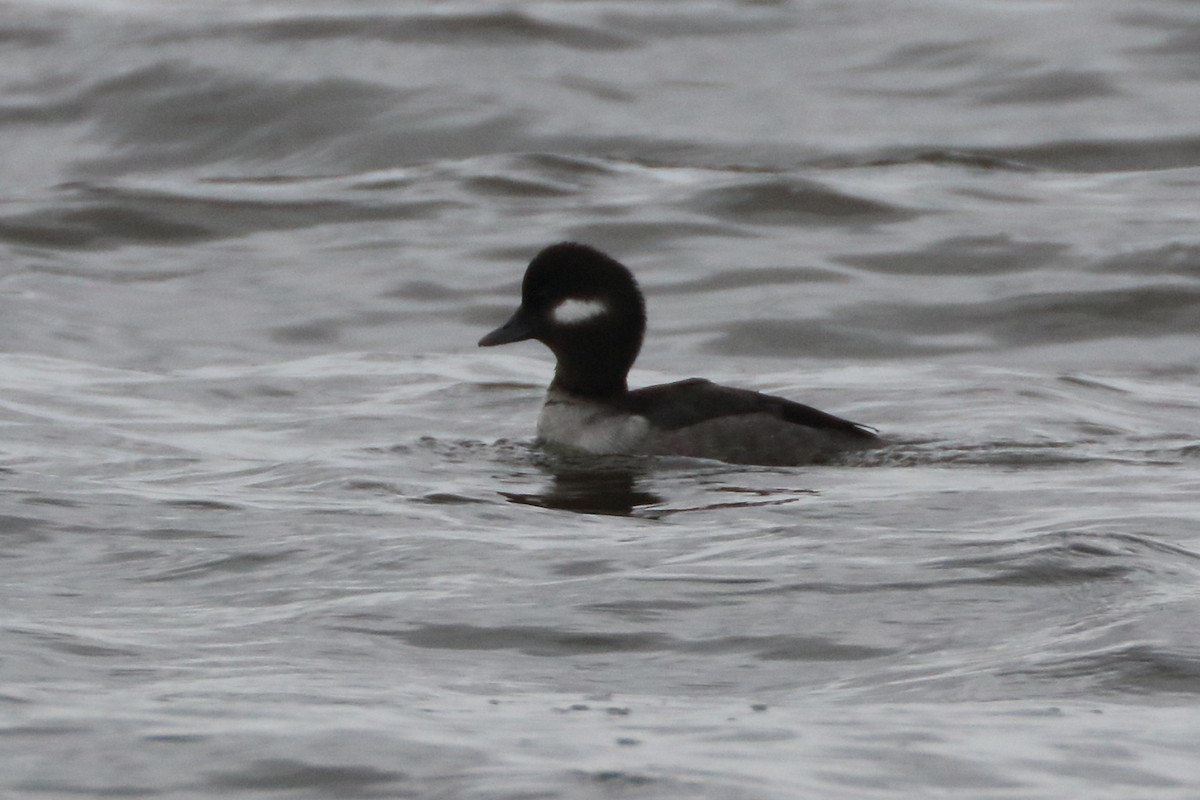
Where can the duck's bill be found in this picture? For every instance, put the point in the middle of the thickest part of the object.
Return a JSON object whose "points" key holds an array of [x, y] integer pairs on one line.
{"points": [[517, 329]]}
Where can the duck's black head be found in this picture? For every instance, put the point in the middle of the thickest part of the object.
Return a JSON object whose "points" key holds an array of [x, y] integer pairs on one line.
{"points": [[587, 308]]}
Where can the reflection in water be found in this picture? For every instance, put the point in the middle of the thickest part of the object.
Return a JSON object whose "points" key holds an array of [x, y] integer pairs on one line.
{"points": [[616, 485], [591, 485]]}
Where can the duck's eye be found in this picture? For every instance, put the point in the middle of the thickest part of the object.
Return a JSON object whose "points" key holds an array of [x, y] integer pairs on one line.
{"points": [[575, 310]]}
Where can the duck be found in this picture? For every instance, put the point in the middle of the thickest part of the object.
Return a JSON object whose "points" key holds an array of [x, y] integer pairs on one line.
{"points": [[588, 309]]}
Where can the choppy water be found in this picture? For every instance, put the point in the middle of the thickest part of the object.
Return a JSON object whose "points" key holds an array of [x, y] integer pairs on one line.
{"points": [[272, 526]]}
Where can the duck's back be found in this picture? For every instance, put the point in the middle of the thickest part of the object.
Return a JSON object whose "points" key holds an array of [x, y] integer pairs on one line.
{"points": [[701, 419]]}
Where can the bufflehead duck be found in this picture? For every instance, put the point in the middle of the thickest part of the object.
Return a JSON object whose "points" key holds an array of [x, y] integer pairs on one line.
{"points": [[587, 308]]}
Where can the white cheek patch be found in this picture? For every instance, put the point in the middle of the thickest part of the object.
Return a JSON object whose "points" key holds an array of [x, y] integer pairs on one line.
{"points": [[573, 311]]}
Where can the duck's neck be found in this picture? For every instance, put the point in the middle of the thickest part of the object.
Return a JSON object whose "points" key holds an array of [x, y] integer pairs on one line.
{"points": [[596, 366], [593, 382]]}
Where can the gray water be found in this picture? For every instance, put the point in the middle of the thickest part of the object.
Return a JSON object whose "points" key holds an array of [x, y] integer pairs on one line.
{"points": [[273, 526]]}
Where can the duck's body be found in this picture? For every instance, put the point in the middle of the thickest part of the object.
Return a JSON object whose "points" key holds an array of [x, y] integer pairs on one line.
{"points": [[588, 310]]}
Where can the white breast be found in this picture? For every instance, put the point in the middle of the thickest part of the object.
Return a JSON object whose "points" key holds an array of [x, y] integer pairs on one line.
{"points": [[585, 425]]}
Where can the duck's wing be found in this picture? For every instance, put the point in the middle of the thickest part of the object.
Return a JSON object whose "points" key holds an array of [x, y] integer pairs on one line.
{"points": [[671, 406]]}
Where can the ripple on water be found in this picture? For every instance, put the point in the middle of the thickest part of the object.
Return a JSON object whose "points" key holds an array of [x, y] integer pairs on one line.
{"points": [[18, 532], [1124, 155], [282, 774], [1067, 557], [789, 200], [504, 28], [557, 643], [236, 564], [963, 255], [1043, 318]]}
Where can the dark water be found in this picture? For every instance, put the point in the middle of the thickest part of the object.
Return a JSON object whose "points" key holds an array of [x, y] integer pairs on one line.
{"points": [[272, 525]]}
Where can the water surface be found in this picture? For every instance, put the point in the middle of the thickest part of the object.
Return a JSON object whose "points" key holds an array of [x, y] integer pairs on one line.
{"points": [[273, 526]]}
